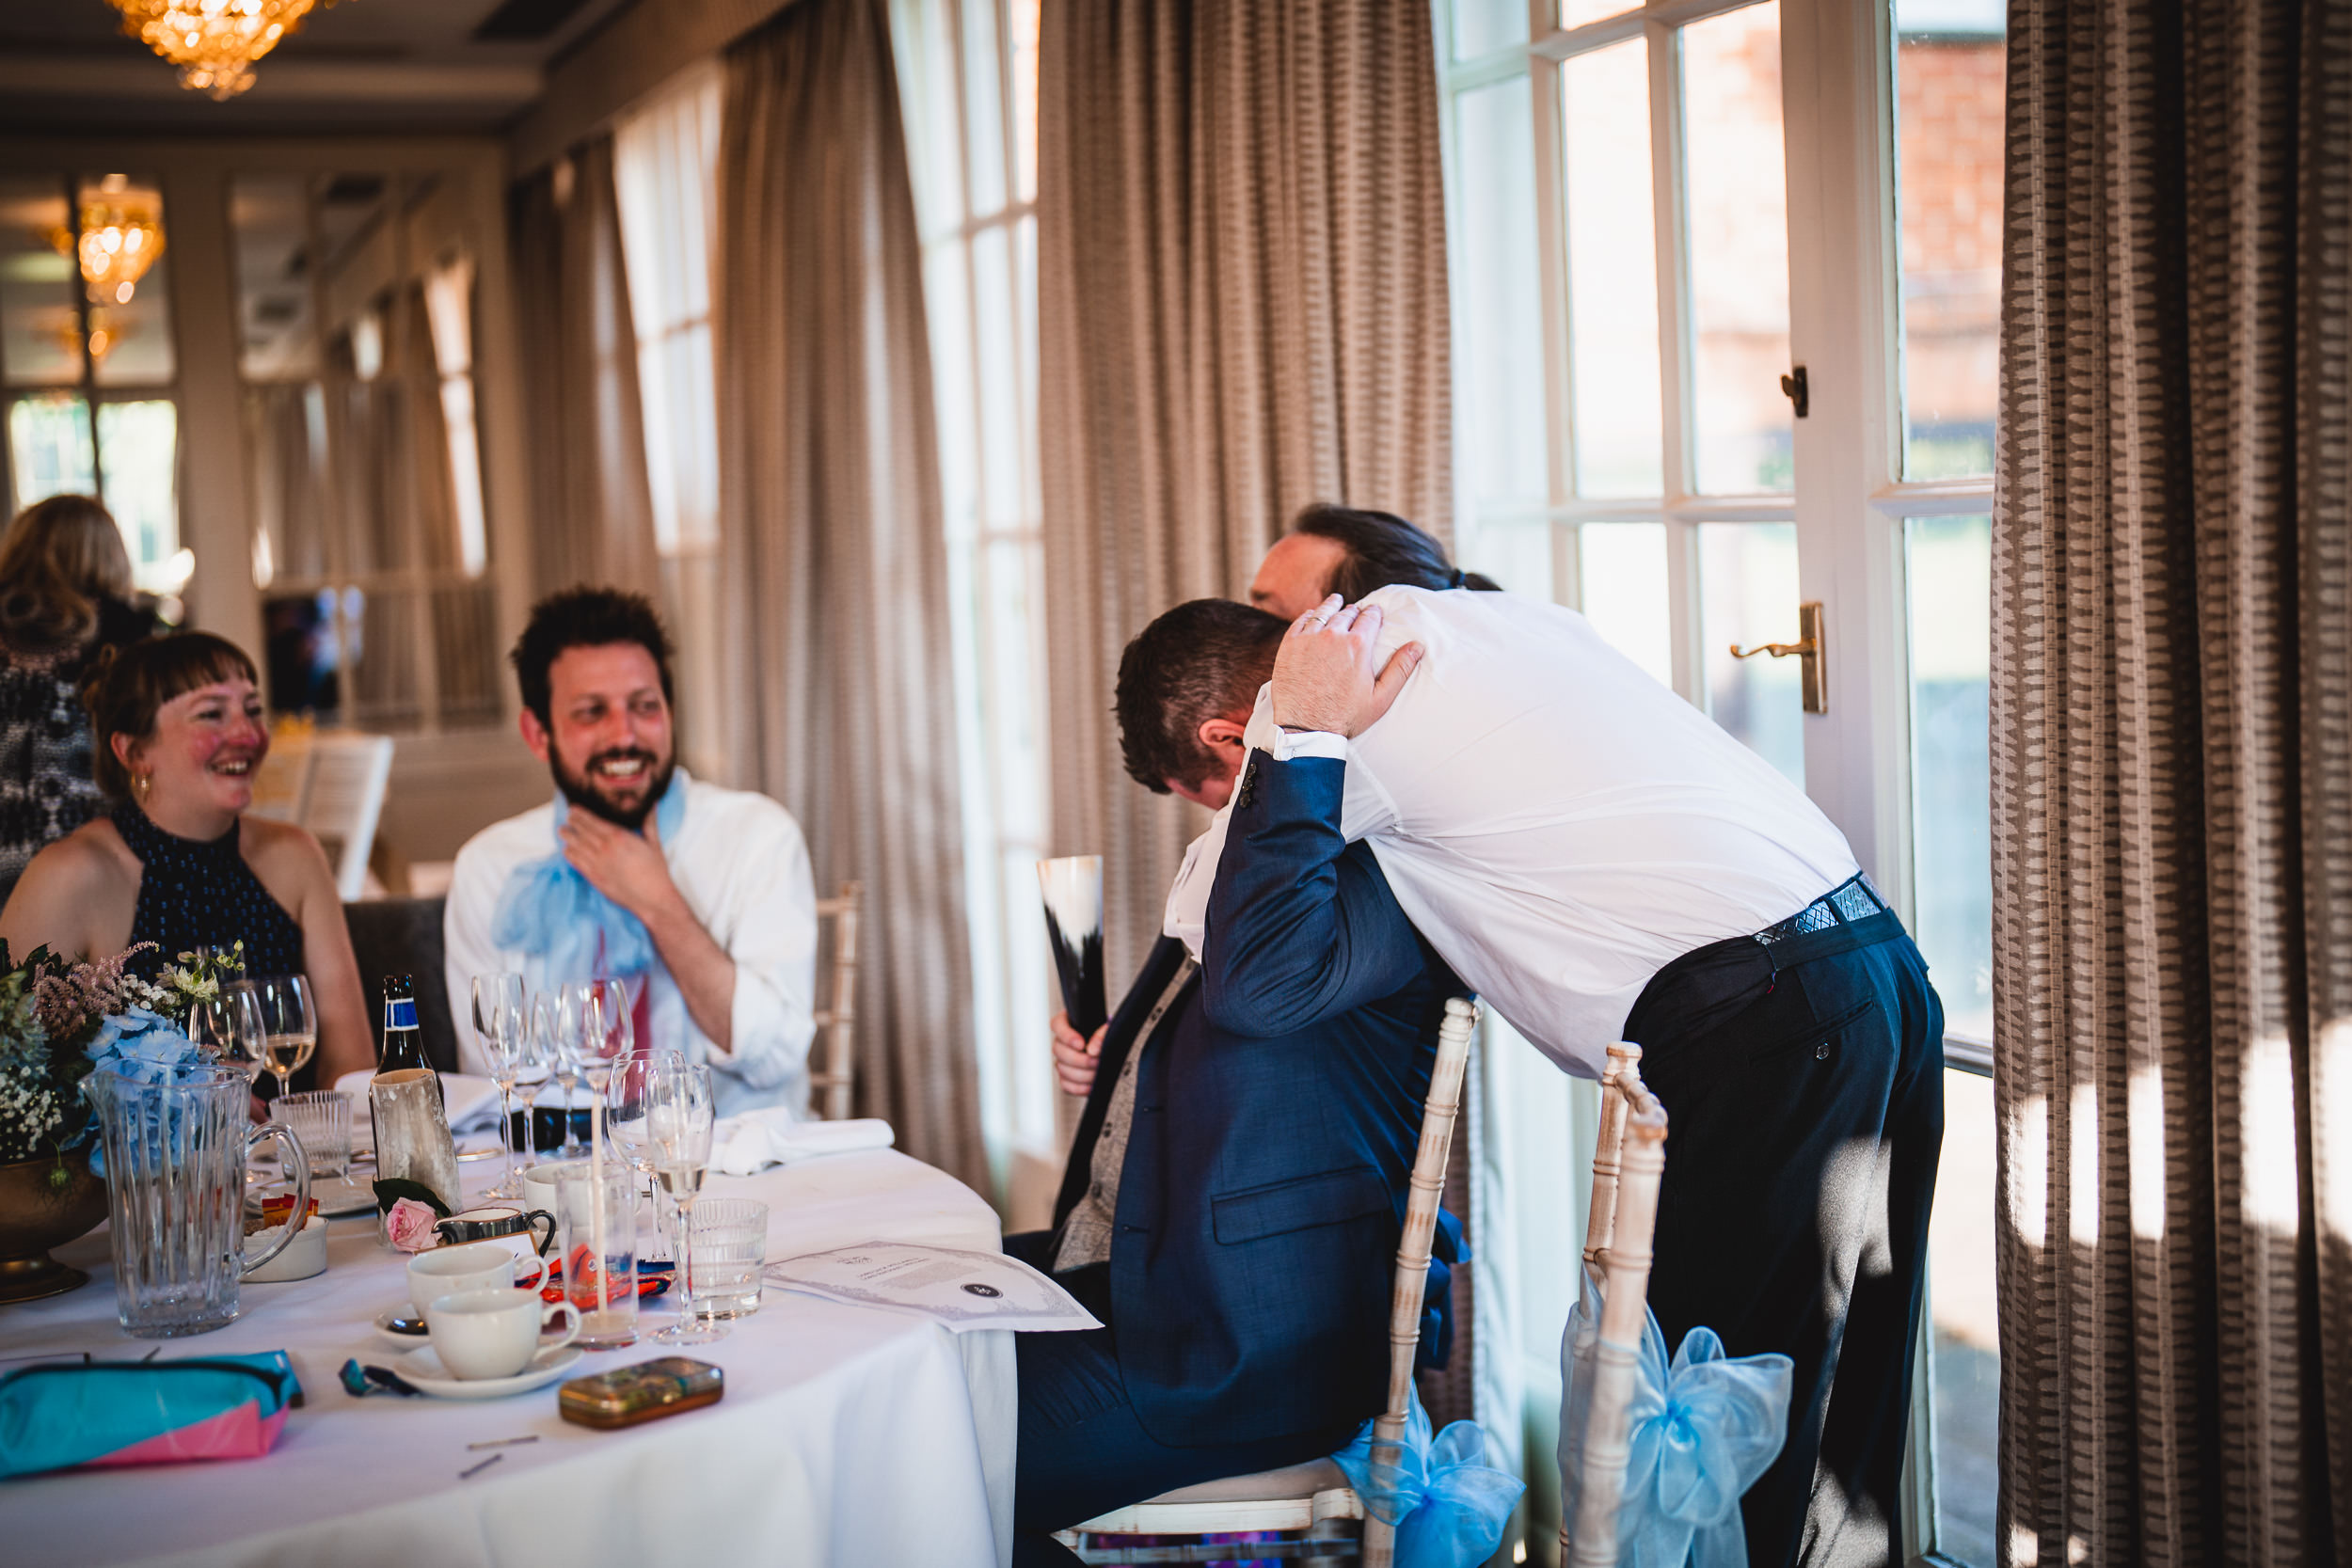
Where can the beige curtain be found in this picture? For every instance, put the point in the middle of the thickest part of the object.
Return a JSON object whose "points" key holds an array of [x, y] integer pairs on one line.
{"points": [[593, 518], [1242, 308], [2172, 779], [836, 635]]}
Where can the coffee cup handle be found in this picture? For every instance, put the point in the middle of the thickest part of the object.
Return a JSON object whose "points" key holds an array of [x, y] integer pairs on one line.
{"points": [[571, 1330], [539, 1275], [532, 1218]]}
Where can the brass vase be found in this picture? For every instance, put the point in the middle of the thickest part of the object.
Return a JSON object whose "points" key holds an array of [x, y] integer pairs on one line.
{"points": [[45, 1202]]}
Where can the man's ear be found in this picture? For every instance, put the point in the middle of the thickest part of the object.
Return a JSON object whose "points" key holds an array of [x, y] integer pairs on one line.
{"points": [[1218, 734], [535, 735]]}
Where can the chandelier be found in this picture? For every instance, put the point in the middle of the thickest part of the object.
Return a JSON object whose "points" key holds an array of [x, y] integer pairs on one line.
{"points": [[213, 42], [121, 235]]}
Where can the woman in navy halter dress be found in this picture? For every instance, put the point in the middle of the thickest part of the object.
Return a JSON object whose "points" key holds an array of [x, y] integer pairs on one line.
{"points": [[178, 732]]}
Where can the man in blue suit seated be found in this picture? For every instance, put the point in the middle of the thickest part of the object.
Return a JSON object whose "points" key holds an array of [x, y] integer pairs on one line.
{"points": [[1235, 1193]]}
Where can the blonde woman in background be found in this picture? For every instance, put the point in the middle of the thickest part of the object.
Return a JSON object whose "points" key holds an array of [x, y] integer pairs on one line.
{"points": [[65, 594]]}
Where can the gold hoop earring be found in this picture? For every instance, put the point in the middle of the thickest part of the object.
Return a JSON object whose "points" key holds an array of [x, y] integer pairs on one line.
{"points": [[142, 784]]}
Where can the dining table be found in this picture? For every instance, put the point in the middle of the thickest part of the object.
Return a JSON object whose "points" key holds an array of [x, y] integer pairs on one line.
{"points": [[846, 1434]]}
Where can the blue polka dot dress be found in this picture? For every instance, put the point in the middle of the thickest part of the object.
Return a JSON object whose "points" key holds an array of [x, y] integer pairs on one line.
{"points": [[196, 893]]}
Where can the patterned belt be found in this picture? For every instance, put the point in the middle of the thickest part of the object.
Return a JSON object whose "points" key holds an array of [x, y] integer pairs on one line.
{"points": [[1849, 901]]}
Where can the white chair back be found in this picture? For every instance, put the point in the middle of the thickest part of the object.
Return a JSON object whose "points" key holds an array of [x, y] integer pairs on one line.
{"points": [[834, 1050], [1629, 1162], [280, 782], [349, 775], [1412, 1253]]}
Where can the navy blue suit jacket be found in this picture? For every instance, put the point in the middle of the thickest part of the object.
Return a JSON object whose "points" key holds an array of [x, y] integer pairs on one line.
{"points": [[1263, 1190]]}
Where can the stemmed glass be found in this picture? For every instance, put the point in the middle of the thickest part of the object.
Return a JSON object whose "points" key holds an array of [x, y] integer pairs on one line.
{"points": [[498, 1026], [230, 1025], [626, 1100], [679, 1119], [290, 1022], [555, 1018]]}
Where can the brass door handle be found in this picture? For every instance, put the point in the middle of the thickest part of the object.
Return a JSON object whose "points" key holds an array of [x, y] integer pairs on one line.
{"points": [[1808, 649]]}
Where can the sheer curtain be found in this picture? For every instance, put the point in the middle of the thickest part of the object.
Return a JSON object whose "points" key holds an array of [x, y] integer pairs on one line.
{"points": [[838, 674], [592, 518], [2172, 784]]}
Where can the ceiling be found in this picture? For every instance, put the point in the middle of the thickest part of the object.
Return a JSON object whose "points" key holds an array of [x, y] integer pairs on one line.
{"points": [[363, 66]]}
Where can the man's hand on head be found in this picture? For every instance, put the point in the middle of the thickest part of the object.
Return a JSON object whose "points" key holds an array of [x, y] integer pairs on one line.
{"points": [[625, 867], [1075, 1059], [1325, 674]]}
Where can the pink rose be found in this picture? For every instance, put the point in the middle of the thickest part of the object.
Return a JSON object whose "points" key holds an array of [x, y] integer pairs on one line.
{"points": [[408, 1225]]}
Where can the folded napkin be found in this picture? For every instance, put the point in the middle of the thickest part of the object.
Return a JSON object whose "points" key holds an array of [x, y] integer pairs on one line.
{"points": [[473, 1103], [757, 1139], [56, 1416]]}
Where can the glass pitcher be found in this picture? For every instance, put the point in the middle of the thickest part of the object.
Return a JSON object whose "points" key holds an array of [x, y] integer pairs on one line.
{"points": [[175, 1190]]}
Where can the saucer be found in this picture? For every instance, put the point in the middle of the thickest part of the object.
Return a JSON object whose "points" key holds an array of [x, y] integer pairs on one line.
{"points": [[340, 1197], [422, 1368]]}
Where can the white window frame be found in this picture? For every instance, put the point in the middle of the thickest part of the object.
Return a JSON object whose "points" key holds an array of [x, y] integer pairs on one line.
{"points": [[1850, 503]]}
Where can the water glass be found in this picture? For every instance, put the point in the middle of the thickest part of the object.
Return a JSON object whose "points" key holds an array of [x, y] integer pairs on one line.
{"points": [[586, 1204], [729, 1249], [321, 1120]]}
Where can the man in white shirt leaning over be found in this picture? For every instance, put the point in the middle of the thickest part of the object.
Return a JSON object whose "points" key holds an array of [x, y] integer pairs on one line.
{"points": [[1602, 862], [700, 897]]}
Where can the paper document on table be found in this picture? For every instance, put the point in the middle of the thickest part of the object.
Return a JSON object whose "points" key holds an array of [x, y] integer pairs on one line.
{"points": [[960, 1290]]}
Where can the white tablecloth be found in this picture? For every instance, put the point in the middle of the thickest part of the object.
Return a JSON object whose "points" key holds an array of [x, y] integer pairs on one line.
{"points": [[847, 1435]]}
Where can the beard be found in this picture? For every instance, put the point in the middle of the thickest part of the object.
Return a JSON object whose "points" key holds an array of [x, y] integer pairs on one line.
{"points": [[582, 789]]}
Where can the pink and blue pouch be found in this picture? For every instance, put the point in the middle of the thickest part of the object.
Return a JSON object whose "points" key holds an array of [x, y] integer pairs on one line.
{"points": [[57, 1415]]}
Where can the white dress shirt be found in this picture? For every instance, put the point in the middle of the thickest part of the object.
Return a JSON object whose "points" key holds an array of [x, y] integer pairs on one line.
{"points": [[740, 862], [1556, 824]]}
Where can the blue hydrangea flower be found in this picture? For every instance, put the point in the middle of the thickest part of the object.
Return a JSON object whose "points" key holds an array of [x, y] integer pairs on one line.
{"points": [[144, 1047]]}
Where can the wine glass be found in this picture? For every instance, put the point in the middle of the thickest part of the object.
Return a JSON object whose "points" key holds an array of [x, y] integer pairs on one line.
{"points": [[230, 1025], [607, 1031], [626, 1099], [680, 1117], [498, 1026], [555, 1018], [290, 1022], [533, 1066]]}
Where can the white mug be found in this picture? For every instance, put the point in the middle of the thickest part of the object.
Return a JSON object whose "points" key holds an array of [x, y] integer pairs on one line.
{"points": [[475, 1266], [494, 1333]]}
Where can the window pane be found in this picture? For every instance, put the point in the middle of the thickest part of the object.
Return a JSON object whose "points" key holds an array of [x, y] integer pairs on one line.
{"points": [[1949, 93], [1502, 429], [983, 108], [1624, 592], [1023, 22], [40, 331], [1480, 25], [1612, 270], [1516, 554], [49, 447], [269, 220], [1576, 13], [127, 278], [1964, 1356], [1736, 219], [139, 448], [1747, 595], [1951, 574], [1000, 386]]}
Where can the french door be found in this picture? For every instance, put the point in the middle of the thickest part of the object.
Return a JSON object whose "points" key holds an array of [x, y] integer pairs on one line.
{"points": [[1725, 286]]}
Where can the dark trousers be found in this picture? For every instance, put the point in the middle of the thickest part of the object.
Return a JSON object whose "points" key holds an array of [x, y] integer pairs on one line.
{"points": [[1083, 1451], [1803, 1089]]}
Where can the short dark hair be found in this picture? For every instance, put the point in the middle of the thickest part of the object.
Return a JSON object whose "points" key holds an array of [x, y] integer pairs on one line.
{"points": [[128, 686], [1383, 551], [585, 618], [1199, 661]]}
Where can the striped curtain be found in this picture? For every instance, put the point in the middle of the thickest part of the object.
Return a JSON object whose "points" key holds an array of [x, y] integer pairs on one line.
{"points": [[2172, 780], [835, 632], [1242, 308]]}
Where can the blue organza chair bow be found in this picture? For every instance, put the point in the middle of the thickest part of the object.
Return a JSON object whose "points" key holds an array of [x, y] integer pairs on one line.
{"points": [[1448, 1504], [1702, 1430]]}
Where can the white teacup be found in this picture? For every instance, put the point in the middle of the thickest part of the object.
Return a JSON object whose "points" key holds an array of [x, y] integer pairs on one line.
{"points": [[494, 1333], [539, 1182], [476, 1266]]}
